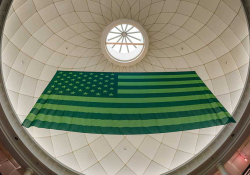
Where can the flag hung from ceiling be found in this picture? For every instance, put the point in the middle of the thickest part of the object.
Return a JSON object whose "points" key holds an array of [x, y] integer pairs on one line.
{"points": [[126, 103]]}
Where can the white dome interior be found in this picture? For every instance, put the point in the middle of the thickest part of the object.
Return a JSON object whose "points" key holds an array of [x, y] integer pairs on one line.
{"points": [[43, 36]]}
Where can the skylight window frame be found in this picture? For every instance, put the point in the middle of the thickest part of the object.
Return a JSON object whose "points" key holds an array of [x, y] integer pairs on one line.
{"points": [[131, 56]]}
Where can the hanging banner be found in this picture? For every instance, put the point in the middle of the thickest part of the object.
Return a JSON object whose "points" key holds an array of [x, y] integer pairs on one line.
{"points": [[127, 103]]}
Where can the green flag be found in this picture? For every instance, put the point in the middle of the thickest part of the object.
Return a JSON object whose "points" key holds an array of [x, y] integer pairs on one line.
{"points": [[127, 103]]}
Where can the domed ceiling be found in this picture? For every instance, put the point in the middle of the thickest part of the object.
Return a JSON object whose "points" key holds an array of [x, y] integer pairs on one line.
{"points": [[43, 36]]}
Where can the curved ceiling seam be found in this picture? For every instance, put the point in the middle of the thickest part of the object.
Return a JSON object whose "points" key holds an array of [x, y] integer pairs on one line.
{"points": [[164, 26], [146, 156], [173, 16], [130, 8], [45, 23], [66, 22], [205, 149], [26, 132], [168, 57], [79, 18], [71, 149], [177, 147], [191, 48], [61, 68], [205, 24], [229, 51], [177, 51], [112, 150]]}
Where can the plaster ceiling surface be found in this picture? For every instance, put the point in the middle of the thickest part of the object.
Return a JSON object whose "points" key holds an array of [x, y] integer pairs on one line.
{"points": [[43, 36]]}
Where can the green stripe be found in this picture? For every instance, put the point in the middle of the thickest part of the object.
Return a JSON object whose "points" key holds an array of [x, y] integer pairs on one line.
{"points": [[163, 86], [127, 123], [127, 130], [130, 73], [171, 94], [145, 91], [158, 83], [160, 79], [130, 116], [125, 100], [126, 105], [155, 76], [127, 110], [154, 73]]}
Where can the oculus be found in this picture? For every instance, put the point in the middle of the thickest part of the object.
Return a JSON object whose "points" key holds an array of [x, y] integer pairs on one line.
{"points": [[124, 42]]}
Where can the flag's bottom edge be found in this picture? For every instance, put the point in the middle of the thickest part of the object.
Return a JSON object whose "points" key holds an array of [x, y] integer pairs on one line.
{"points": [[126, 130]]}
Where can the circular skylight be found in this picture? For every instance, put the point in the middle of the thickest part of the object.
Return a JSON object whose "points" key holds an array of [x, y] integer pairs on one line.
{"points": [[125, 38], [124, 42]]}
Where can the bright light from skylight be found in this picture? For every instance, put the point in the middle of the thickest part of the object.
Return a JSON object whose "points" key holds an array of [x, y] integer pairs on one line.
{"points": [[124, 38], [124, 42]]}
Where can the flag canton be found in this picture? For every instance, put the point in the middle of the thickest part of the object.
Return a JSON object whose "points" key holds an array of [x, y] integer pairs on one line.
{"points": [[89, 84]]}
